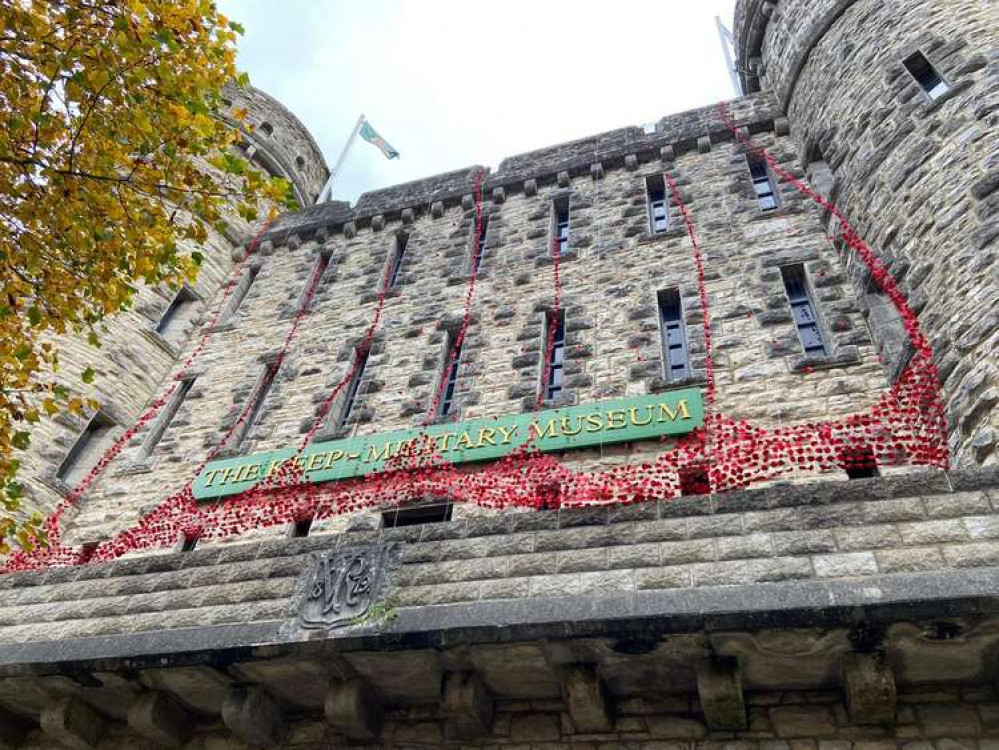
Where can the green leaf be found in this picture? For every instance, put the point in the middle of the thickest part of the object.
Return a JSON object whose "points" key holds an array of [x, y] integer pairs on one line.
{"points": [[198, 258], [21, 440], [34, 315], [237, 27], [88, 375]]}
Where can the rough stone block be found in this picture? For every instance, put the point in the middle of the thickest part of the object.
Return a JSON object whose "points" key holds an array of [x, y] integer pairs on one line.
{"points": [[73, 723], [585, 698], [408, 216], [354, 710], [869, 686], [530, 187], [468, 706], [631, 162], [499, 195], [437, 209], [563, 179], [467, 202], [350, 230], [667, 154], [597, 171], [704, 144], [378, 222], [159, 717], [719, 686], [253, 716], [782, 126]]}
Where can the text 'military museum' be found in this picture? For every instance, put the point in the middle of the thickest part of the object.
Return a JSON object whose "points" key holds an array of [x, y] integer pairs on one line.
{"points": [[668, 438]]}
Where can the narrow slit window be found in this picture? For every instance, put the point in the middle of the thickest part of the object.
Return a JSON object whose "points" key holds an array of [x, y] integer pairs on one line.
{"points": [[259, 396], [350, 397], [177, 314], [655, 188], [926, 75], [859, 462], [555, 328], [803, 311], [315, 279], [239, 293], [189, 543], [87, 449], [302, 527], [162, 423], [479, 244], [436, 513], [398, 257], [560, 219], [676, 356], [763, 184], [450, 377]]}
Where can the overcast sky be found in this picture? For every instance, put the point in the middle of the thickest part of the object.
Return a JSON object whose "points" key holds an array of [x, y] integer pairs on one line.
{"points": [[451, 83]]}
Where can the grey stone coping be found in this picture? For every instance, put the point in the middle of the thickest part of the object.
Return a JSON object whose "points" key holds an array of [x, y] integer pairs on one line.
{"points": [[817, 493], [874, 599], [680, 130]]}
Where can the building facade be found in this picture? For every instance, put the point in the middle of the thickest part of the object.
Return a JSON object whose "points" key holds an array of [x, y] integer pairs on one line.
{"points": [[632, 442]]}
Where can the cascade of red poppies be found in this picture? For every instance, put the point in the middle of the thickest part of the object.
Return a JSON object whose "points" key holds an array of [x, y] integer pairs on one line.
{"points": [[905, 426]]}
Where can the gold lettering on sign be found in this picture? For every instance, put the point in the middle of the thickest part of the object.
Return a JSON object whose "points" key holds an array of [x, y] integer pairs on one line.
{"points": [[634, 416], [463, 442], [315, 461], [507, 433], [210, 477], [667, 413], [252, 472], [378, 454], [617, 419], [332, 458], [487, 436], [565, 426], [551, 427], [594, 422]]}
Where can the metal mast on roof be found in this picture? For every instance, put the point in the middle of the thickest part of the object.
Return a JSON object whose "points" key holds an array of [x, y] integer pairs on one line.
{"points": [[728, 48], [327, 192]]}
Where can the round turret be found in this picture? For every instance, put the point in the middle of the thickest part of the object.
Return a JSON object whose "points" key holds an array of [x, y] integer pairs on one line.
{"points": [[899, 103], [279, 143]]}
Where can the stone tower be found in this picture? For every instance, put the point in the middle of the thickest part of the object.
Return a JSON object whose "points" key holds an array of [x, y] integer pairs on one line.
{"points": [[894, 108], [143, 344]]}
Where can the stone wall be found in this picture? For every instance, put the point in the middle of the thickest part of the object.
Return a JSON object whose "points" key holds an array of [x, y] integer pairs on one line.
{"points": [[916, 177], [610, 273]]}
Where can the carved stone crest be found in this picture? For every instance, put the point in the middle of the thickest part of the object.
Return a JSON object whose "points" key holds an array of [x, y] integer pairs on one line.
{"points": [[338, 587]]}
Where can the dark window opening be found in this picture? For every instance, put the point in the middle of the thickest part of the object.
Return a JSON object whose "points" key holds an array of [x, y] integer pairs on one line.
{"points": [[560, 210], [176, 313], [302, 527], [926, 75], [240, 292], [676, 357], [87, 551], [803, 310], [763, 184], [655, 187], [267, 128], [859, 462], [86, 450], [479, 244], [436, 513], [401, 241], [555, 329], [694, 481], [259, 396], [314, 281], [360, 362], [450, 376], [189, 543], [300, 162], [166, 417]]}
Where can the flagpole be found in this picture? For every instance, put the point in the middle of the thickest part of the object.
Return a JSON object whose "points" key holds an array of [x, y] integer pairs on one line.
{"points": [[327, 191]]}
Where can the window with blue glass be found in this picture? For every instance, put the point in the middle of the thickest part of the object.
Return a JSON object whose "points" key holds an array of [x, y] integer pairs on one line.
{"points": [[803, 310], [655, 188], [350, 397], [676, 356], [560, 210], [479, 243], [763, 184], [555, 331], [398, 257], [926, 75], [450, 376]]}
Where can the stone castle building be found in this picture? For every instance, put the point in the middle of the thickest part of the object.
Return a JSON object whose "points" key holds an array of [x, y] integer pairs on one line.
{"points": [[608, 296]]}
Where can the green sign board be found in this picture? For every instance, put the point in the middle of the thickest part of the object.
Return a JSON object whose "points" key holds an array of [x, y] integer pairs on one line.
{"points": [[597, 423]]}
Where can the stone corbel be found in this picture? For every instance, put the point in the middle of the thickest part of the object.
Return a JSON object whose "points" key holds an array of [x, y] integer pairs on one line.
{"points": [[719, 687]]}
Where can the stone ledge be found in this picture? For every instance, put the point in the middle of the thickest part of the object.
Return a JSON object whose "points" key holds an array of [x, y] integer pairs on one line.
{"points": [[885, 598]]}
